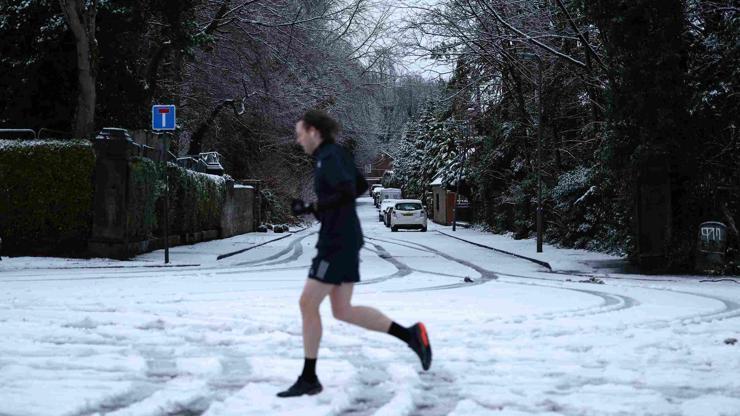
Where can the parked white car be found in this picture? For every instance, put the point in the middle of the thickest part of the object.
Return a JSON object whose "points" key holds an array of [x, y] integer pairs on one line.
{"points": [[408, 213], [383, 208]]}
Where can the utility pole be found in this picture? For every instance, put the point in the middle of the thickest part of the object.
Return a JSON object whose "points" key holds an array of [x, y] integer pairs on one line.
{"points": [[466, 133], [540, 110], [539, 154]]}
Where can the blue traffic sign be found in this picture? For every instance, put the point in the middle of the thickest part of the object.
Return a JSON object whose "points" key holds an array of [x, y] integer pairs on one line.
{"points": [[163, 117]]}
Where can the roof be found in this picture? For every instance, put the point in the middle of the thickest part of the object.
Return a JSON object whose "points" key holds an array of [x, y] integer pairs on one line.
{"points": [[437, 179], [386, 154]]}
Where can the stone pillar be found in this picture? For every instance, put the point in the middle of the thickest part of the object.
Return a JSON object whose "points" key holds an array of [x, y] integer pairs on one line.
{"points": [[237, 215], [109, 231]]}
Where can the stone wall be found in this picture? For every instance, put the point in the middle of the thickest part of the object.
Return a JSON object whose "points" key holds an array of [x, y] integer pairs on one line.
{"points": [[129, 204], [106, 199], [237, 217]]}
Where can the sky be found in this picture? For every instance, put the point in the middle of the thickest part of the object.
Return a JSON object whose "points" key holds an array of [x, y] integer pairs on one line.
{"points": [[400, 12]]}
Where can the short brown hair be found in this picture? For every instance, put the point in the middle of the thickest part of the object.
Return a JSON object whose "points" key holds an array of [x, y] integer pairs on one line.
{"points": [[327, 126]]}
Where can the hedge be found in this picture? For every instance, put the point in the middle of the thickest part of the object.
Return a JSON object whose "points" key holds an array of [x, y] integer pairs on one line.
{"points": [[46, 196]]}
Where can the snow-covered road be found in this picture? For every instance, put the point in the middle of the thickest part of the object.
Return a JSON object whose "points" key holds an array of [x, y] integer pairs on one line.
{"points": [[221, 337]]}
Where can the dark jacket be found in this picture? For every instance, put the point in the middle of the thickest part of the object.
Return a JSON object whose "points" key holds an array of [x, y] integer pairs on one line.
{"points": [[336, 182]]}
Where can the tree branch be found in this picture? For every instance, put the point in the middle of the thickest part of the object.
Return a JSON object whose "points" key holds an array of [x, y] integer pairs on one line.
{"points": [[589, 48], [529, 38]]}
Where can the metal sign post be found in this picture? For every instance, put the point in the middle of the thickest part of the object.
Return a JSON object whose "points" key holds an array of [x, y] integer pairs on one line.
{"points": [[165, 154], [163, 119]]}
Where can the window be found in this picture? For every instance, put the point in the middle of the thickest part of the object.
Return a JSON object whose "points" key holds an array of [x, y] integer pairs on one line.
{"points": [[408, 206], [436, 201]]}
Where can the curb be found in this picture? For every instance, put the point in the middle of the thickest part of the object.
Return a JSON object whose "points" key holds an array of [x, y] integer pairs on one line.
{"points": [[540, 262]]}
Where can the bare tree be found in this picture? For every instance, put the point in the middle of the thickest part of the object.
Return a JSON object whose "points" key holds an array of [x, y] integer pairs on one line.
{"points": [[278, 58], [80, 17]]}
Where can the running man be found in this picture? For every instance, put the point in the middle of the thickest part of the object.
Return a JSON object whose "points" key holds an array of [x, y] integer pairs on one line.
{"points": [[335, 269]]}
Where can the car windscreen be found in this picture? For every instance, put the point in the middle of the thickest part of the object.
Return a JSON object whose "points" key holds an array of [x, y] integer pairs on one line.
{"points": [[408, 206]]}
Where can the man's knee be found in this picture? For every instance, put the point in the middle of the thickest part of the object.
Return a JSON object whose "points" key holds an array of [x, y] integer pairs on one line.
{"points": [[342, 313], [307, 304]]}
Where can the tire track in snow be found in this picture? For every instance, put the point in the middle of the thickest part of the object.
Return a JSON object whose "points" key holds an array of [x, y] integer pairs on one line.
{"points": [[295, 246], [730, 309], [138, 269], [609, 302], [402, 269], [485, 275]]}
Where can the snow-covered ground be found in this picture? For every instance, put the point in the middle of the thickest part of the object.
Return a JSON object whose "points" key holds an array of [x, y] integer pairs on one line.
{"points": [[221, 337]]}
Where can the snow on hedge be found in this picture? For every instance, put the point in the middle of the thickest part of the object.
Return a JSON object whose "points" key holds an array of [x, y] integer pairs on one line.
{"points": [[6, 144]]}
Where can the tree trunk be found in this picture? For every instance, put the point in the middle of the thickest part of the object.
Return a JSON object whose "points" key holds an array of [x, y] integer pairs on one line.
{"points": [[81, 20]]}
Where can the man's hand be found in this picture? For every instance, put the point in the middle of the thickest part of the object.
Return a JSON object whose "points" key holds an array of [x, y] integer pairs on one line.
{"points": [[298, 207]]}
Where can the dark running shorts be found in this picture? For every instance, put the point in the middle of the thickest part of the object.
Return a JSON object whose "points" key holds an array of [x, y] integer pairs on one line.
{"points": [[336, 268]]}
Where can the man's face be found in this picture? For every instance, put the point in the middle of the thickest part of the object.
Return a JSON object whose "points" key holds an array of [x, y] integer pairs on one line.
{"points": [[308, 137]]}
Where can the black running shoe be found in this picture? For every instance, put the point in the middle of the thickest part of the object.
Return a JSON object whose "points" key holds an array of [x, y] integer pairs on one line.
{"points": [[420, 344], [301, 387]]}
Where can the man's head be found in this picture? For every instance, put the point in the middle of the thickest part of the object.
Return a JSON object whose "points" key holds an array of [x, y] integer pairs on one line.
{"points": [[314, 128]]}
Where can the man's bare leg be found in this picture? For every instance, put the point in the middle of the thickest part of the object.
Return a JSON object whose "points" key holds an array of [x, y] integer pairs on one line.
{"points": [[363, 316], [313, 294], [414, 336]]}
